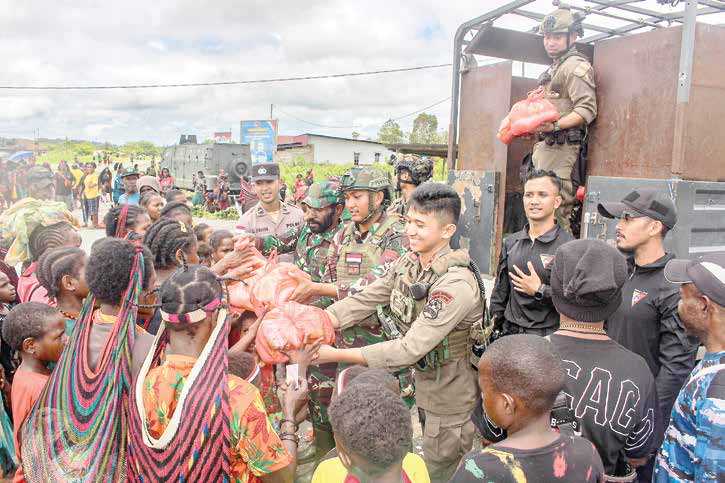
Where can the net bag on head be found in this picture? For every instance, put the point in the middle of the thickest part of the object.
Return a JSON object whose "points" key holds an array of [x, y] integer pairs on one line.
{"points": [[77, 430], [195, 446]]}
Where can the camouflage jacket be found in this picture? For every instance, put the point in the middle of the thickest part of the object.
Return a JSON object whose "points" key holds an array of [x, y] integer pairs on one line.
{"points": [[394, 243], [312, 254]]}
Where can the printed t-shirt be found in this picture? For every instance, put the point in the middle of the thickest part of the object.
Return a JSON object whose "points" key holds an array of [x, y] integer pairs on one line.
{"points": [[256, 449]]}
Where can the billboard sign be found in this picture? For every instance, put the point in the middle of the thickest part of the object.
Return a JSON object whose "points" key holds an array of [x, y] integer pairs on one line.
{"points": [[224, 137], [262, 139]]}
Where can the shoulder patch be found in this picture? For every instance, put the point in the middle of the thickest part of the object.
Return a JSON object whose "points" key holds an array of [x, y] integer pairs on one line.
{"points": [[582, 69]]}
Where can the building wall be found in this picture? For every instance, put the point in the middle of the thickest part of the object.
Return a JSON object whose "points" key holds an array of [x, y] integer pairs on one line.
{"points": [[342, 151], [305, 154]]}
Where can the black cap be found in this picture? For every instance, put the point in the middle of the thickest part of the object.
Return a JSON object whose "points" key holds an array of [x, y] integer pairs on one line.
{"points": [[707, 273], [130, 173], [642, 202], [39, 176], [265, 171]]}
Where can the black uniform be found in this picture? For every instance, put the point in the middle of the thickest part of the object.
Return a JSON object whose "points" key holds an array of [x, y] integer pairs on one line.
{"points": [[647, 324], [522, 312]]}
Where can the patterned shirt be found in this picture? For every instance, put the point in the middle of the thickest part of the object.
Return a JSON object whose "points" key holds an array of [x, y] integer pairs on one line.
{"points": [[256, 450], [694, 445]]}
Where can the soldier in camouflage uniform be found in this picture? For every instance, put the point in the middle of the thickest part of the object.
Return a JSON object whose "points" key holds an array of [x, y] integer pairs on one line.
{"points": [[410, 172], [569, 85], [323, 205], [361, 252]]}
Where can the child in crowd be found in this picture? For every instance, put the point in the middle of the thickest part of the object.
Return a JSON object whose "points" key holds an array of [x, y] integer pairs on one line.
{"points": [[203, 232], [37, 332], [127, 221], [374, 435], [8, 365], [518, 395], [203, 251], [175, 196], [221, 242], [80, 417], [153, 203], [179, 211], [61, 272], [8, 299]]}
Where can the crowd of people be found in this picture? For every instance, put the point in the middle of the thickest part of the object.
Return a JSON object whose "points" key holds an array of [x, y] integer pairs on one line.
{"points": [[589, 363]]}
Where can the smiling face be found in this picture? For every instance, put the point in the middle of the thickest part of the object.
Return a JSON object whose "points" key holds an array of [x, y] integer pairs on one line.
{"points": [[541, 199], [426, 231], [267, 190]]}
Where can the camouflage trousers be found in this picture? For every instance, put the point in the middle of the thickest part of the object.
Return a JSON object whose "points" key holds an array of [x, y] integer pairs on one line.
{"points": [[368, 333], [321, 383]]}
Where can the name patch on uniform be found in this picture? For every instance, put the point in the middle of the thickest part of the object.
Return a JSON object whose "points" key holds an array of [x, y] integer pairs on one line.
{"points": [[546, 260], [436, 301], [353, 262], [638, 296]]}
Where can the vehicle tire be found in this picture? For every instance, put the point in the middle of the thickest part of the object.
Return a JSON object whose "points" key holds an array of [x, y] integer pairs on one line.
{"points": [[240, 169]]}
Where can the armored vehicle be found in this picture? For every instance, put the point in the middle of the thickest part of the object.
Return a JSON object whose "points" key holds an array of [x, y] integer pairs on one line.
{"points": [[187, 158]]}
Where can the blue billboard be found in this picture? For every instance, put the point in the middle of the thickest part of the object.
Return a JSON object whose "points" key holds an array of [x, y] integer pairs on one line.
{"points": [[262, 139]]}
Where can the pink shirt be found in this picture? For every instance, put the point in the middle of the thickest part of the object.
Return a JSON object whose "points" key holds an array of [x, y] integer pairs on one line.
{"points": [[30, 290]]}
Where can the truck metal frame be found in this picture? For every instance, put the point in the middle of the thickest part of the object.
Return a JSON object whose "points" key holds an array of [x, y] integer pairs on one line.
{"points": [[695, 183]]}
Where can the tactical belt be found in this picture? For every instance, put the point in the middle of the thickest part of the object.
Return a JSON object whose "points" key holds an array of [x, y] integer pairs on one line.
{"points": [[564, 136]]}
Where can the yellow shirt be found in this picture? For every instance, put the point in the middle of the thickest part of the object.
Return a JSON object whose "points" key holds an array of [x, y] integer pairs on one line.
{"points": [[333, 471], [90, 186], [77, 175]]}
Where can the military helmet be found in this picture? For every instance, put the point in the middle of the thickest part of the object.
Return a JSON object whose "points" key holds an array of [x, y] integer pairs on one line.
{"points": [[369, 179], [420, 168], [322, 194], [562, 21]]}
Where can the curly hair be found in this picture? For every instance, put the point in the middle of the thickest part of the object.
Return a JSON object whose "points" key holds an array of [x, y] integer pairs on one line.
{"points": [[175, 207], [26, 321], [217, 237], [165, 237], [111, 219], [54, 264], [108, 271], [535, 375], [44, 238], [189, 289], [373, 424]]}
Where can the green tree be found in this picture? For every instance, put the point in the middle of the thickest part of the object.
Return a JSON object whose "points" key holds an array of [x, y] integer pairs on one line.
{"points": [[390, 133], [425, 129], [355, 135]]}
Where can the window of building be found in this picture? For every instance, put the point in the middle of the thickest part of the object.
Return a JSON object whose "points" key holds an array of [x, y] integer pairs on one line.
{"points": [[377, 157], [356, 158]]}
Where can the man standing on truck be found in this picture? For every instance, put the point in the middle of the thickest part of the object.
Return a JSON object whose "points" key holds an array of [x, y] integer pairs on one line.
{"points": [[569, 85], [273, 223]]}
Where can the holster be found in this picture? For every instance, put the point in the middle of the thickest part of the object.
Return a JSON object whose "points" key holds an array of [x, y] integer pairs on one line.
{"points": [[566, 136]]}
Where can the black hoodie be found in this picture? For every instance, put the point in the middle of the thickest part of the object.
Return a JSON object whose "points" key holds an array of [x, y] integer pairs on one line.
{"points": [[647, 324]]}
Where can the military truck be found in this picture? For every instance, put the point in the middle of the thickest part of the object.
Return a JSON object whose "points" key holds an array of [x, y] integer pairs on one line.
{"points": [[187, 158], [660, 82]]}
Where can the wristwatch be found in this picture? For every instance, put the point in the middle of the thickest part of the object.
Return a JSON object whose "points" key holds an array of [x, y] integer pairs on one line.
{"points": [[539, 295], [556, 126]]}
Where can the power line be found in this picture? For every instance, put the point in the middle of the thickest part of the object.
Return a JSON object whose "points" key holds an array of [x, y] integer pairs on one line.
{"points": [[223, 83], [365, 125]]}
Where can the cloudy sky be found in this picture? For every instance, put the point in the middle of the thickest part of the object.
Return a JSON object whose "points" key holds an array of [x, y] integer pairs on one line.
{"points": [[172, 41]]}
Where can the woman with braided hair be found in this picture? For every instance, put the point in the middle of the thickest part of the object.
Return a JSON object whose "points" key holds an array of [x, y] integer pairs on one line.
{"points": [[77, 429], [178, 210], [172, 244], [124, 221], [61, 272], [184, 388]]}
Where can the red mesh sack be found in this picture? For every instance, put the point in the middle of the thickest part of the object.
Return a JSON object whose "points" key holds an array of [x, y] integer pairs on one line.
{"points": [[275, 286], [240, 293], [289, 327], [527, 115], [504, 131]]}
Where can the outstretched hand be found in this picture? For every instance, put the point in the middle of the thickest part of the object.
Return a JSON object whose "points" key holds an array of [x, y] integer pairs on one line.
{"points": [[305, 289]]}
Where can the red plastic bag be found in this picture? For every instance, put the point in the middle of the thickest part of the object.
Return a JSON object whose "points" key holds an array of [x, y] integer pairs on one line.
{"points": [[527, 115], [289, 327], [240, 294]]}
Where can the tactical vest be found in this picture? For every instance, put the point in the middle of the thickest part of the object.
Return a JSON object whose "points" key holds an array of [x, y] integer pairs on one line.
{"points": [[555, 85], [404, 309], [357, 259]]}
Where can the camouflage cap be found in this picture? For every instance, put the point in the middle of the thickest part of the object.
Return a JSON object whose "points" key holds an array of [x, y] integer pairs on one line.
{"points": [[561, 21], [322, 194], [370, 179]]}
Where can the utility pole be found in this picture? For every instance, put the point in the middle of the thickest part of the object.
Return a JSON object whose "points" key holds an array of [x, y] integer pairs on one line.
{"points": [[271, 112]]}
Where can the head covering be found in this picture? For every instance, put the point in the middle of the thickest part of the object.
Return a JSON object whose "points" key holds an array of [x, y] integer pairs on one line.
{"points": [[265, 172], [322, 194], [420, 167], [642, 202], [586, 280], [707, 274], [130, 172], [19, 221], [150, 181], [370, 179], [561, 21]]}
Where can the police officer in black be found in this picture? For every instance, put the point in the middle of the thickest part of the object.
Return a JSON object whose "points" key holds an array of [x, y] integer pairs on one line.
{"points": [[521, 298]]}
